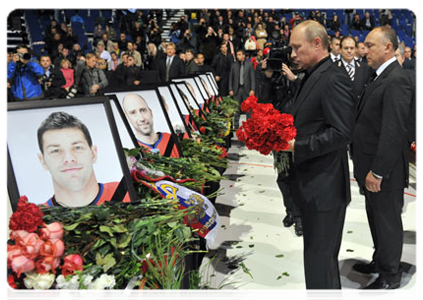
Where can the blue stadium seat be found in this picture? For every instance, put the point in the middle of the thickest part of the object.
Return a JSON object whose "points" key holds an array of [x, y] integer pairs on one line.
{"points": [[356, 33]]}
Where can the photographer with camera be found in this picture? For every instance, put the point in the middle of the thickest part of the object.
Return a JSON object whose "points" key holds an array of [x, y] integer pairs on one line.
{"points": [[280, 79], [52, 80], [22, 75]]}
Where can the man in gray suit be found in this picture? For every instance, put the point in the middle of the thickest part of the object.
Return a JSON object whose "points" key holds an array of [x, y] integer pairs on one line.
{"points": [[241, 81]]}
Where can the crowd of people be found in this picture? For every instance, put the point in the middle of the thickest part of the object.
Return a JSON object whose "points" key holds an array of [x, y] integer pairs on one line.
{"points": [[295, 65], [121, 59]]}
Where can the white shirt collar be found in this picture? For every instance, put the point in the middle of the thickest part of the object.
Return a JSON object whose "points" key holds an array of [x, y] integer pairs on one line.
{"points": [[335, 57], [346, 63], [385, 65]]}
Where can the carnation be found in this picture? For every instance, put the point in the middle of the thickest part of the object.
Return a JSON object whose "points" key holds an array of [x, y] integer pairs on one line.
{"points": [[27, 217], [103, 282], [69, 284], [34, 280]]}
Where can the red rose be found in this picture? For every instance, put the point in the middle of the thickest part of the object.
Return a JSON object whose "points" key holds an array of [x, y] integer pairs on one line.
{"points": [[43, 295], [72, 263], [202, 130], [11, 287], [30, 245], [21, 264], [47, 264], [27, 217]]}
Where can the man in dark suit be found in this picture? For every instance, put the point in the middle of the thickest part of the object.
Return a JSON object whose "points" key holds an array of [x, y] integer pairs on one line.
{"points": [[171, 66], [409, 61], [358, 73], [242, 82], [221, 65], [324, 112], [380, 155]]}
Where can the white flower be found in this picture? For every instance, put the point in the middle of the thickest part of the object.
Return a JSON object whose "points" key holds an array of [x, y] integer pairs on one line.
{"points": [[73, 284], [36, 281], [108, 281], [87, 280]]}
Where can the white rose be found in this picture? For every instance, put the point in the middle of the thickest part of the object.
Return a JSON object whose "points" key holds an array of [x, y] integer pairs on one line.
{"points": [[36, 281], [71, 284], [103, 282]]}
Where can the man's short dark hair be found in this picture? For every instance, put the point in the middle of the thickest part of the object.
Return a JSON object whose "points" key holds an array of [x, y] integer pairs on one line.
{"points": [[189, 50], [241, 50], [334, 38], [61, 120], [348, 37]]}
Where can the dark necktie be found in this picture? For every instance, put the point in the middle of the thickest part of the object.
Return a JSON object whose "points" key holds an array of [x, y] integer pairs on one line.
{"points": [[168, 63], [351, 70], [241, 74]]}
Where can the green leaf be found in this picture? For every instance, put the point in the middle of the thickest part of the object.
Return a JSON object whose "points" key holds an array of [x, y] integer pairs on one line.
{"points": [[245, 269], [279, 277], [251, 246], [350, 250], [285, 274], [172, 224], [262, 191], [106, 229], [280, 255], [71, 226], [124, 241], [106, 262], [349, 231], [119, 228], [238, 247]]}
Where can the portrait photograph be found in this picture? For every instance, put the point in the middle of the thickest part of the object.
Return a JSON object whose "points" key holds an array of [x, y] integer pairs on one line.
{"points": [[213, 81], [173, 111], [149, 121], [64, 154], [188, 96], [203, 88], [209, 85], [193, 90]]}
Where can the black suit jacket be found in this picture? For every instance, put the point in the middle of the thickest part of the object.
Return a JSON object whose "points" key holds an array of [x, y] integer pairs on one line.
{"points": [[177, 68], [380, 136], [324, 113], [361, 76], [249, 77]]}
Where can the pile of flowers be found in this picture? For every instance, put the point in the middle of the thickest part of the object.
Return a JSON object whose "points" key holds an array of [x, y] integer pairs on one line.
{"points": [[36, 254], [267, 130]]}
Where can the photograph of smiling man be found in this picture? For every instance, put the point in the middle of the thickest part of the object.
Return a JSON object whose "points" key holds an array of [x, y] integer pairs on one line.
{"points": [[68, 153]]}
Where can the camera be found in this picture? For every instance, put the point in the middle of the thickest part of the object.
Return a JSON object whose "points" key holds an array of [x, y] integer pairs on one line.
{"points": [[24, 56], [45, 80], [72, 93], [277, 57]]}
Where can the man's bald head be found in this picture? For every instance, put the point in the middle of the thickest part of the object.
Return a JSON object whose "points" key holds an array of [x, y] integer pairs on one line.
{"points": [[139, 115]]}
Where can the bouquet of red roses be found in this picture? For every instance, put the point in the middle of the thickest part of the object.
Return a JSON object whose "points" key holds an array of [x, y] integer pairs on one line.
{"points": [[267, 129]]}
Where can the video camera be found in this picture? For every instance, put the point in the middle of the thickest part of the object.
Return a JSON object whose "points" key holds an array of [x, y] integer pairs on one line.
{"points": [[277, 57]]}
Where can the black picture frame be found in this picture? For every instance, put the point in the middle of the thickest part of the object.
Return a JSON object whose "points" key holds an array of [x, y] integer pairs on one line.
{"points": [[213, 81], [185, 91], [115, 96], [166, 92], [184, 108], [95, 110], [194, 91], [209, 83]]}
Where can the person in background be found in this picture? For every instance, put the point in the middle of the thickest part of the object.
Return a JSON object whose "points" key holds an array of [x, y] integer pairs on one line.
{"points": [[68, 74], [23, 74]]}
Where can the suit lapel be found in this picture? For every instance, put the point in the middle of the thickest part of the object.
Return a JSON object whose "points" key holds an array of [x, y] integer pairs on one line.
{"points": [[371, 86], [303, 92]]}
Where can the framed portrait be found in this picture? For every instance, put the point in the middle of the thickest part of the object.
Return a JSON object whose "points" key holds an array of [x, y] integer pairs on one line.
{"points": [[183, 104], [189, 98], [209, 85], [144, 116], [65, 152], [203, 88], [175, 113], [213, 81], [193, 90]]}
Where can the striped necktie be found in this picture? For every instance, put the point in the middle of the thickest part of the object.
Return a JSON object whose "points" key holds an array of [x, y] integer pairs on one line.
{"points": [[351, 71]]}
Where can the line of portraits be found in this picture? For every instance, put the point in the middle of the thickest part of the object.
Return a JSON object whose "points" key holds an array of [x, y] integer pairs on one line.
{"points": [[192, 92], [149, 123], [65, 152], [189, 98], [209, 84], [213, 81], [203, 88], [176, 116], [183, 103]]}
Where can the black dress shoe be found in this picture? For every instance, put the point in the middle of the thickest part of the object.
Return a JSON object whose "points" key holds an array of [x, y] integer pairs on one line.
{"points": [[383, 284], [365, 268], [288, 220], [298, 227]]}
